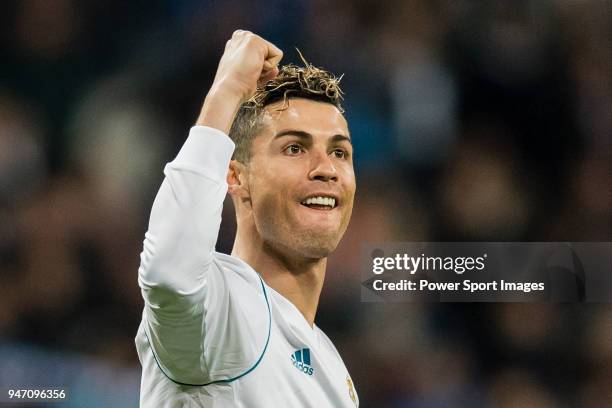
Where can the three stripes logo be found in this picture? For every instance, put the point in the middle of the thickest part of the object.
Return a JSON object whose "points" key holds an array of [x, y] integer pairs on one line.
{"points": [[301, 361]]}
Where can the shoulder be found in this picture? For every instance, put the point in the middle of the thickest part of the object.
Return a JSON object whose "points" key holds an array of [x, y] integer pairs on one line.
{"points": [[232, 279], [238, 319], [236, 272]]}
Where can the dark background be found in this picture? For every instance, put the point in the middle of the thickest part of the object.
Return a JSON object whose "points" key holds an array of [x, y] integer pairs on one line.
{"points": [[471, 120]]}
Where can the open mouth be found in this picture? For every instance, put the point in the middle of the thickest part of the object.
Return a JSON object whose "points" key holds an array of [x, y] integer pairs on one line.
{"points": [[320, 203]]}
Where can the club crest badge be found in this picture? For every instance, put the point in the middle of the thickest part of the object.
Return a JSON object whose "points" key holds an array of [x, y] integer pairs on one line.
{"points": [[351, 389]]}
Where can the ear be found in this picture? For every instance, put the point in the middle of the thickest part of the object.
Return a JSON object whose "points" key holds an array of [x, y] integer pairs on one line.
{"points": [[237, 184]]}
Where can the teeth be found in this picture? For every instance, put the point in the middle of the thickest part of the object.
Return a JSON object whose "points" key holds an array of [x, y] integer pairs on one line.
{"points": [[328, 201]]}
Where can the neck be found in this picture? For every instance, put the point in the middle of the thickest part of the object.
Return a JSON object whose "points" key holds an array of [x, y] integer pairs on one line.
{"points": [[300, 280]]}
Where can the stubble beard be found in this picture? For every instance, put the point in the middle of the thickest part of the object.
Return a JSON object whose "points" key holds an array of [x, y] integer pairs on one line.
{"points": [[295, 242]]}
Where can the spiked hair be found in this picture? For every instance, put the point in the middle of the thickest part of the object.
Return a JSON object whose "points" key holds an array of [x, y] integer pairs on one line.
{"points": [[292, 81]]}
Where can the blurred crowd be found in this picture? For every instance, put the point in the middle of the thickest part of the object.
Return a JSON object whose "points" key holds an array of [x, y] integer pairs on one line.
{"points": [[471, 121]]}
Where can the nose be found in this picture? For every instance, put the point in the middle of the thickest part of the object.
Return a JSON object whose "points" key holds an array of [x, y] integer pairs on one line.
{"points": [[322, 168]]}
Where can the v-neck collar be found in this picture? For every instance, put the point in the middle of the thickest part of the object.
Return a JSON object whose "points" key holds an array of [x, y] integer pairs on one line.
{"points": [[294, 310]]}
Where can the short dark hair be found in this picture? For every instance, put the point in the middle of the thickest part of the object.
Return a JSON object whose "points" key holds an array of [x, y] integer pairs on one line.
{"points": [[292, 81]]}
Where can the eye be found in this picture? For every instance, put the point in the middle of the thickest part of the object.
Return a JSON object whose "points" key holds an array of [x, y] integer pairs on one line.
{"points": [[340, 153], [293, 150]]}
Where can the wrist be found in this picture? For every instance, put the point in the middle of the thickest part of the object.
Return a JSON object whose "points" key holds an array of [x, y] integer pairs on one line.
{"points": [[227, 91], [219, 108]]}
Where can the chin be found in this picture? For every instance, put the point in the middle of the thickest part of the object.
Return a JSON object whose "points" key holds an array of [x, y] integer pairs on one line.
{"points": [[299, 238], [318, 252], [304, 244], [315, 245]]}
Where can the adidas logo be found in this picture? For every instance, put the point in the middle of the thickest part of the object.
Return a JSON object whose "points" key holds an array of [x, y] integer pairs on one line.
{"points": [[301, 361]]}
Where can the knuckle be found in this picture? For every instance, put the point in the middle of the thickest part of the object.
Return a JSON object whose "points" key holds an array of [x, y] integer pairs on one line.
{"points": [[252, 38]]}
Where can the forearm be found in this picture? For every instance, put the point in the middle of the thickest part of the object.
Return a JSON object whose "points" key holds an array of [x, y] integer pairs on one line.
{"points": [[186, 214], [219, 109]]}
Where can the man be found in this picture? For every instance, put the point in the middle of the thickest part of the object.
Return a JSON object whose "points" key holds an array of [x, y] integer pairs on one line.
{"points": [[238, 331]]}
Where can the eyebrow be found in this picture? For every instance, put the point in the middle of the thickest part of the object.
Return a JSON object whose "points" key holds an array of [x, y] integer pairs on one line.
{"points": [[305, 135]]}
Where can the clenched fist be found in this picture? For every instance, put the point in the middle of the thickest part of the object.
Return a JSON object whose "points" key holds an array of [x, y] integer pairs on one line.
{"points": [[247, 60]]}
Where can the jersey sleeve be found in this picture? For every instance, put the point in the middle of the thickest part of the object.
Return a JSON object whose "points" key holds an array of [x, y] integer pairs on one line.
{"points": [[178, 251]]}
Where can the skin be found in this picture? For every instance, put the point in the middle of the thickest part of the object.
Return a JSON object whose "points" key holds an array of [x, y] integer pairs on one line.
{"points": [[286, 241], [301, 151]]}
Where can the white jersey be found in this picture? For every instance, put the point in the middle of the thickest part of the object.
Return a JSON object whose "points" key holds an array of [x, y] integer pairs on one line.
{"points": [[213, 334]]}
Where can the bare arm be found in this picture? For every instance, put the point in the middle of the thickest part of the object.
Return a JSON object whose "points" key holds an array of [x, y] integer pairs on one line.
{"points": [[248, 60]]}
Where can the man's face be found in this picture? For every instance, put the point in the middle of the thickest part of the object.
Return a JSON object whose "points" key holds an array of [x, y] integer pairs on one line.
{"points": [[301, 179]]}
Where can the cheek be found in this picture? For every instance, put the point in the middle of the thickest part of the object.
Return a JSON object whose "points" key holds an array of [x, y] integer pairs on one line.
{"points": [[268, 196], [274, 181], [350, 183], [350, 188]]}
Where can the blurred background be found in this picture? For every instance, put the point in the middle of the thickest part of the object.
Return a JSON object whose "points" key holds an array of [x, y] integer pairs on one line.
{"points": [[471, 120]]}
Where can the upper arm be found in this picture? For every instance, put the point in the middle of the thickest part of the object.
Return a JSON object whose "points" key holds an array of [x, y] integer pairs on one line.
{"points": [[178, 251]]}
